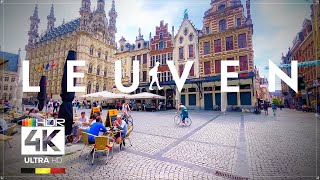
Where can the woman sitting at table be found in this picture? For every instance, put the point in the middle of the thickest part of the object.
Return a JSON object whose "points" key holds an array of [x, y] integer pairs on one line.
{"points": [[121, 125]]}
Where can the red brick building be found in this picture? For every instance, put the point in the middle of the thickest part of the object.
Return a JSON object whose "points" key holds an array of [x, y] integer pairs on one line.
{"points": [[161, 51]]}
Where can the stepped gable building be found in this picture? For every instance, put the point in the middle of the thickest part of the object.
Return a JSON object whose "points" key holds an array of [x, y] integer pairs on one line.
{"points": [[139, 51], [92, 36], [227, 35]]}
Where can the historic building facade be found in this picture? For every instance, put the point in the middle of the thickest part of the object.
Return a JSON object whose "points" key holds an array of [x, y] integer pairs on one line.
{"points": [[139, 51], [186, 49], [92, 36], [227, 35], [161, 50], [10, 65]]}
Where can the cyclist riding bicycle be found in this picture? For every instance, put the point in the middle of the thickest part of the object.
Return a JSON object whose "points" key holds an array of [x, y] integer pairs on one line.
{"points": [[184, 112]]}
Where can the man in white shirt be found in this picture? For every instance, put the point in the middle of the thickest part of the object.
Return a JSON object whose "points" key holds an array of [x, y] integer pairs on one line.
{"points": [[3, 126]]}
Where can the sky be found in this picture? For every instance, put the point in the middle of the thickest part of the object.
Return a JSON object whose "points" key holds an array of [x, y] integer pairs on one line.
{"points": [[275, 22]]}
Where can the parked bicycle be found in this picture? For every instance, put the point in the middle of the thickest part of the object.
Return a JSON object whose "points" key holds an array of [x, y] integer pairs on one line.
{"points": [[178, 120]]}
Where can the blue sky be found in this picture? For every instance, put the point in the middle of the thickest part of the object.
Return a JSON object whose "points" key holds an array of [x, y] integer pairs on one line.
{"points": [[276, 22]]}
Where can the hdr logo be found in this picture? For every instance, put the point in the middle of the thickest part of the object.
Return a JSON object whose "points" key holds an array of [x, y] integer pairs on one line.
{"points": [[42, 137]]}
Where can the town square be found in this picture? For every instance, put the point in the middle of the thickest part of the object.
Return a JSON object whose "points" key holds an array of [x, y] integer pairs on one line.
{"points": [[122, 89]]}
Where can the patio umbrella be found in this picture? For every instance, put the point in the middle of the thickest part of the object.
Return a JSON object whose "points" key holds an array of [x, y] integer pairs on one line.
{"points": [[145, 95], [65, 110], [42, 95]]}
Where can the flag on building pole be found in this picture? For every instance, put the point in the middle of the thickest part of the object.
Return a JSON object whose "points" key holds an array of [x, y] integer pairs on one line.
{"points": [[40, 68], [47, 66], [53, 65]]}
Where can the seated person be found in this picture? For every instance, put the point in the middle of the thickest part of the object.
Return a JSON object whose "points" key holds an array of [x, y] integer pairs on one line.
{"points": [[79, 123], [35, 113], [121, 125], [85, 127], [95, 129]]}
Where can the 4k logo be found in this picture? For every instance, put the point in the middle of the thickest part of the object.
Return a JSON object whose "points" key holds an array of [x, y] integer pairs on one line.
{"points": [[42, 140]]}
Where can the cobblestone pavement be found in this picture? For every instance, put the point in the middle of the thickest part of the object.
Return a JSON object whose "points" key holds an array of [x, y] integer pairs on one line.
{"points": [[215, 146]]}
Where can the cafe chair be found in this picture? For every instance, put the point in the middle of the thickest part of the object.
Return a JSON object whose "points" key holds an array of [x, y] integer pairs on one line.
{"points": [[128, 134], [84, 138], [102, 143]]}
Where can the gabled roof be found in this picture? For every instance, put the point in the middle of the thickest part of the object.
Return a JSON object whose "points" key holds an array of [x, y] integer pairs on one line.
{"points": [[192, 25], [61, 30]]}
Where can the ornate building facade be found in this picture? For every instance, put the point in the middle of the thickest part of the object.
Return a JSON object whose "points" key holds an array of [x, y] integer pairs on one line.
{"points": [[91, 35], [227, 35], [186, 49], [139, 51]]}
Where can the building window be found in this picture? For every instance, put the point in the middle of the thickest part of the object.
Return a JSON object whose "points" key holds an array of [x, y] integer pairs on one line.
{"points": [[132, 59], [152, 61], [180, 52], [98, 70], [131, 77], [181, 69], [157, 46], [158, 58], [6, 78], [90, 68], [207, 30], [238, 22], [192, 70], [97, 87], [10, 96], [222, 25], [139, 58], [169, 76], [180, 39], [104, 87], [165, 45], [106, 55], [160, 36], [206, 48], [10, 88], [139, 45], [207, 67], [89, 88], [217, 66], [144, 76], [91, 50], [105, 72], [99, 53], [242, 41], [221, 7], [164, 59], [5, 87], [229, 43], [231, 68], [217, 45], [145, 58], [4, 96], [191, 36], [161, 45], [169, 56], [243, 63], [191, 53], [13, 79]]}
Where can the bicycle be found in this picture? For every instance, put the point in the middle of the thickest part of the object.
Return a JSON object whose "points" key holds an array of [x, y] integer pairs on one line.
{"points": [[177, 120], [128, 120]]}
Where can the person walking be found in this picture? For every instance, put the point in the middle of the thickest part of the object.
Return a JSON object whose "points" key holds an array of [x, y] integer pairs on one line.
{"points": [[265, 108], [274, 108], [154, 74], [55, 106]]}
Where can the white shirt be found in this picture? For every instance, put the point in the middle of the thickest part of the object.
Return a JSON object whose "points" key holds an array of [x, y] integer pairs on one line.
{"points": [[3, 124]]}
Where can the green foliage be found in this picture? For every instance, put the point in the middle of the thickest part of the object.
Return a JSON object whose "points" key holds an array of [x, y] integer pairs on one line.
{"points": [[277, 101]]}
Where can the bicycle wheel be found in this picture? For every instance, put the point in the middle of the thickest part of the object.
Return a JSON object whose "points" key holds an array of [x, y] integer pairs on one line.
{"points": [[130, 121], [177, 119], [187, 122]]}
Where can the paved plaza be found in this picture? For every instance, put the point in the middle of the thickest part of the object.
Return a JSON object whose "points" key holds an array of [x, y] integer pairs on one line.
{"points": [[215, 146]]}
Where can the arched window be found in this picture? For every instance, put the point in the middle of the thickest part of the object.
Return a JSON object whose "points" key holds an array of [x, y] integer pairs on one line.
{"points": [[91, 50], [90, 68], [105, 72], [222, 25], [222, 7], [89, 88], [104, 87], [98, 70], [99, 53], [97, 87]]}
